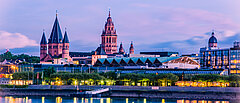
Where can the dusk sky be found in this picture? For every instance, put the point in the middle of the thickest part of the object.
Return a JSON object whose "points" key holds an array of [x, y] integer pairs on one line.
{"points": [[152, 25]]}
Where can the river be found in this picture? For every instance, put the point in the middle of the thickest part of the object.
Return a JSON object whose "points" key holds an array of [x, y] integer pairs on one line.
{"points": [[34, 99]]}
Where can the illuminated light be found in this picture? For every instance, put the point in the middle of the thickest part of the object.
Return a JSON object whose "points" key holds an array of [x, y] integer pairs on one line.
{"points": [[26, 99], [108, 100], [43, 99], [144, 100], [82, 100], [163, 100], [126, 100], [75, 100], [75, 82], [58, 100], [91, 100], [101, 100], [86, 100]]}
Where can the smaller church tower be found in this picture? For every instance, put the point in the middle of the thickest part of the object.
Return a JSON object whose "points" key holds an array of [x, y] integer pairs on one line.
{"points": [[43, 46], [65, 50], [121, 50], [212, 42], [131, 49]]}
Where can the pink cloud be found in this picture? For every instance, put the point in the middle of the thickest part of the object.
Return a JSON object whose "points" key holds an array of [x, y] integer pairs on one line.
{"points": [[15, 40]]}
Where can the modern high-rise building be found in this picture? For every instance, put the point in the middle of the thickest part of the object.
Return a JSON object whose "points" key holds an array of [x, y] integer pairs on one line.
{"points": [[109, 37], [56, 50]]}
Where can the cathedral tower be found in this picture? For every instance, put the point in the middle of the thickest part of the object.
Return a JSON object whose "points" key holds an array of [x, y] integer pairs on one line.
{"points": [[131, 49], [43, 46], [109, 37], [55, 40], [65, 53]]}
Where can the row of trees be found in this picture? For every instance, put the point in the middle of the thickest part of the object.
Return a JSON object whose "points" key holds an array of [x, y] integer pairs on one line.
{"points": [[121, 79], [28, 59]]}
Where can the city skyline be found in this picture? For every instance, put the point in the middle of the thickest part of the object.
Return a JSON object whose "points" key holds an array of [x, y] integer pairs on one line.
{"points": [[153, 26]]}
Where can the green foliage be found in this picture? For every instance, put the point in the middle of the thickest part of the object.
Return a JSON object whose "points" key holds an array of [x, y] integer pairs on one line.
{"points": [[77, 76], [28, 59], [22, 75], [234, 79], [209, 78], [48, 72]]}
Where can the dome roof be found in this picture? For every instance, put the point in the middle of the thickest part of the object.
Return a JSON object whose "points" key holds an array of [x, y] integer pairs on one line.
{"points": [[212, 39]]}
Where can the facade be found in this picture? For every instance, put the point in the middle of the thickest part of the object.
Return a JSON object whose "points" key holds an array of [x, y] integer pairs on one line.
{"points": [[56, 50], [109, 37], [216, 58], [182, 63], [157, 62]]}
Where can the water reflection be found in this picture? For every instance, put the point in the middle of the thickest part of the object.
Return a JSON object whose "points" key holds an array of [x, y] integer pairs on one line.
{"points": [[11, 99]]}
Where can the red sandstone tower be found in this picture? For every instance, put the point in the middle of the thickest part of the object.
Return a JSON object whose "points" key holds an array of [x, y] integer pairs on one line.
{"points": [[109, 37], [65, 53], [58, 47], [131, 49], [43, 46]]}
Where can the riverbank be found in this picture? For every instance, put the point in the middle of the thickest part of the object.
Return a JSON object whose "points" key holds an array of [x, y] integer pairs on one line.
{"points": [[209, 93]]}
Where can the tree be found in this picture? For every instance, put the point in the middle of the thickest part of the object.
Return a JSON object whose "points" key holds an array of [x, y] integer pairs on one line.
{"points": [[22, 75]]}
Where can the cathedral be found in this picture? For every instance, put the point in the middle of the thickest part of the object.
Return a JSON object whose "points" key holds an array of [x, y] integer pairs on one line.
{"points": [[109, 40], [56, 50]]}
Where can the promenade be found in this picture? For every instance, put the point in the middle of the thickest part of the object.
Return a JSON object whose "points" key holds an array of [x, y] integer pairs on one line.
{"points": [[173, 92]]}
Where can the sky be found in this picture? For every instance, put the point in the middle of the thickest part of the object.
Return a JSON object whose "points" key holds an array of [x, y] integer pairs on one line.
{"points": [[153, 25]]}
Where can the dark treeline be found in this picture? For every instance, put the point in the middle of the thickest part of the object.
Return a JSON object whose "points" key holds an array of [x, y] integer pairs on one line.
{"points": [[12, 57]]}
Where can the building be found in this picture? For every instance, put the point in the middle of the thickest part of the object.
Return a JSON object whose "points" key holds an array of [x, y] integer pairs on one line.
{"points": [[121, 50], [162, 54], [56, 50], [212, 57], [194, 57], [146, 62], [109, 37], [131, 49]]}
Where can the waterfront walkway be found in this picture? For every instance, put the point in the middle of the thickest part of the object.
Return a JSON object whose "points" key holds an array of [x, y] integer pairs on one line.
{"points": [[140, 88], [173, 92]]}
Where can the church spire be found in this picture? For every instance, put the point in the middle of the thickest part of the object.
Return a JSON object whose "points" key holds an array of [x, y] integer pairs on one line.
{"points": [[65, 39], [131, 49], [43, 40], [56, 34], [109, 14], [121, 50]]}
